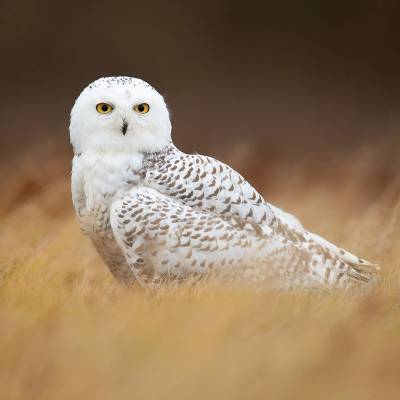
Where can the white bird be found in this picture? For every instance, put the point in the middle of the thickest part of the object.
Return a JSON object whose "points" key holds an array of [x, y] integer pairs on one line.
{"points": [[155, 213]]}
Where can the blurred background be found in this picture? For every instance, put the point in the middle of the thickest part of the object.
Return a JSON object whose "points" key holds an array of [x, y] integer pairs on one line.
{"points": [[255, 83], [260, 85], [300, 75], [302, 98]]}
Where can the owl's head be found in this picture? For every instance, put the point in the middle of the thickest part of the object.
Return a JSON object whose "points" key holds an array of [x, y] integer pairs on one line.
{"points": [[119, 114]]}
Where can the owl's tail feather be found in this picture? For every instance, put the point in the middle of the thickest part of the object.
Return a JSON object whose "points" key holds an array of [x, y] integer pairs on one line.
{"points": [[344, 255], [362, 275], [359, 269], [356, 262]]}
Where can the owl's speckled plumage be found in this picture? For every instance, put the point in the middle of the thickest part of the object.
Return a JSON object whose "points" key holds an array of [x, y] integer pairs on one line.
{"points": [[155, 213]]}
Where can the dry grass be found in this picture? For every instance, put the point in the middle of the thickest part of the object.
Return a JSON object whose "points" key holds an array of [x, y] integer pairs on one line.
{"points": [[68, 331]]}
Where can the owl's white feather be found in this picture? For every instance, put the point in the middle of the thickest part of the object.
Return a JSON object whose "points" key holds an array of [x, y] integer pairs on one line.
{"points": [[154, 212]]}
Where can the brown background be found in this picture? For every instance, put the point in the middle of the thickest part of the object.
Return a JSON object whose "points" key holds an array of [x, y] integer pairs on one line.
{"points": [[300, 97], [285, 77]]}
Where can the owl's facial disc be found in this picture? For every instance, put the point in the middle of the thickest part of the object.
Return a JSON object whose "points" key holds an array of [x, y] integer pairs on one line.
{"points": [[120, 115]]}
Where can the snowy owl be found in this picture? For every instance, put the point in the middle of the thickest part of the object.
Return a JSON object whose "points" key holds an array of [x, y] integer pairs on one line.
{"points": [[155, 213]]}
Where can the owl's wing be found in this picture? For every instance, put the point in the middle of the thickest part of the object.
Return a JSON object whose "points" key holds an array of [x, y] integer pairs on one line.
{"points": [[164, 239], [204, 183], [207, 184]]}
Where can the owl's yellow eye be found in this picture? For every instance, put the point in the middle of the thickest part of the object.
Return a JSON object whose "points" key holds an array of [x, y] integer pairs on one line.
{"points": [[142, 108], [104, 108]]}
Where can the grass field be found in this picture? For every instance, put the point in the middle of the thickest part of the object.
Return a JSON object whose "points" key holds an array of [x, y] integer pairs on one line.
{"points": [[68, 331]]}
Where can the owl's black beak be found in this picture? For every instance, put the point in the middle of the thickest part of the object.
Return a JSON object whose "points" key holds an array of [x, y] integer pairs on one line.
{"points": [[124, 127]]}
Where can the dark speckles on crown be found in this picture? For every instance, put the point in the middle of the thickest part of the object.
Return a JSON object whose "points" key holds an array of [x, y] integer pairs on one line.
{"points": [[111, 81]]}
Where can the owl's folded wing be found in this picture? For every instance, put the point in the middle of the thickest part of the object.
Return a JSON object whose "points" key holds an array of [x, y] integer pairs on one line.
{"points": [[204, 183], [163, 239]]}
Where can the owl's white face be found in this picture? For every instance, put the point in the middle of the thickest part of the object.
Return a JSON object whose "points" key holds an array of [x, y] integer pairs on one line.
{"points": [[119, 114]]}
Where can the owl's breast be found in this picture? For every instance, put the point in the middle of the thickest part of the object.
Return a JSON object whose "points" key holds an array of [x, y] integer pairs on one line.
{"points": [[96, 183]]}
